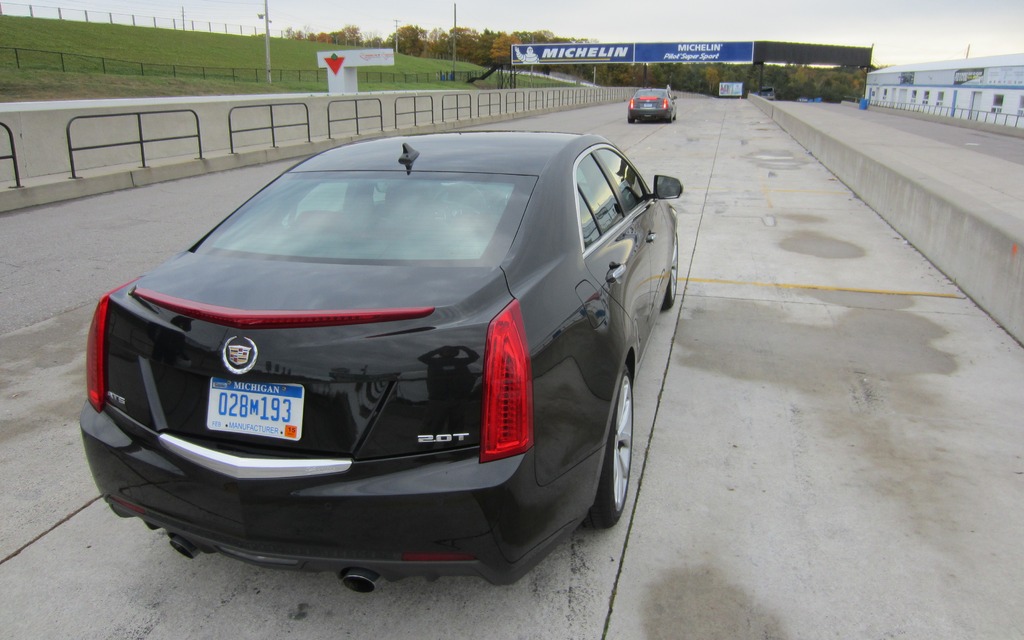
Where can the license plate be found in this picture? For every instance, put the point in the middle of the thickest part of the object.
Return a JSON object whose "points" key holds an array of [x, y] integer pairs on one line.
{"points": [[271, 410]]}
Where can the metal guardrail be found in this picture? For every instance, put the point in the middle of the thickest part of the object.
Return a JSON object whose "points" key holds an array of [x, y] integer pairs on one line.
{"points": [[463, 103], [535, 100], [490, 100], [129, 129], [416, 110], [13, 157], [141, 141], [356, 117], [987, 117], [273, 127], [555, 99], [515, 101]]}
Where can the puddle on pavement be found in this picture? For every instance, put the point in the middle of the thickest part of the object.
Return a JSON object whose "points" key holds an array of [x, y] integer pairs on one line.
{"points": [[862, 386], [776, 159], [801, 218], [699, 602], [821, 246], [863, 300], [760, 341]]}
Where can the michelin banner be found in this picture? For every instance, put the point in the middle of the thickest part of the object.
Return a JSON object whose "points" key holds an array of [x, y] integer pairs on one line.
{"points": [[629, 53], [571, 53], [696, 52]]}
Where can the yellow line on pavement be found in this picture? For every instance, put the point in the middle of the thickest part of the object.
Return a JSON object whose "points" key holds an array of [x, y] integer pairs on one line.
{"points": [[818, 287], [813, 191]]}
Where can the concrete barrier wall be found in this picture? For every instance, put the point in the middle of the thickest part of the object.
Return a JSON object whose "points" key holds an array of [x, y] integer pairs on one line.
{"points": [[977, 245], [230, 132]]}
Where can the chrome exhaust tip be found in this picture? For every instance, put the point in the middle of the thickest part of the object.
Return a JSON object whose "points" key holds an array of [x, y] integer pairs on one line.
{"points": [[183, 546], [360, 580]]}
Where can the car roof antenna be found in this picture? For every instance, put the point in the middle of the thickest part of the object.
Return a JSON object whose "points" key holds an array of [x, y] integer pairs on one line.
{"points": [[408, 157]]}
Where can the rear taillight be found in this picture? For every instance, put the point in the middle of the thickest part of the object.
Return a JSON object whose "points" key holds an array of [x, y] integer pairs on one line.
{"points": [[632, 105], [664, 104], [131, 506], [96, 353], [507, 414]]}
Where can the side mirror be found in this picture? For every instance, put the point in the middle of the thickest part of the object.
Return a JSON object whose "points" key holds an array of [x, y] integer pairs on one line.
{"points": [[667, 188]]}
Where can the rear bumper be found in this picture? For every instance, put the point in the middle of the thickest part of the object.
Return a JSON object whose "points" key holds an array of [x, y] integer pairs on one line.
{"points": [[648, 114], [396, 517]]}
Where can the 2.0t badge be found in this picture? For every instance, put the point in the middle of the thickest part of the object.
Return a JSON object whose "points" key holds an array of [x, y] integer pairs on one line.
{"points": [[239, 354]]}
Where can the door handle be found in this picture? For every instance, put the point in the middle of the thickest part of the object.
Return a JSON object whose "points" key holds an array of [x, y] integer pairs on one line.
{"points": [[651, 236], [615, 271]]}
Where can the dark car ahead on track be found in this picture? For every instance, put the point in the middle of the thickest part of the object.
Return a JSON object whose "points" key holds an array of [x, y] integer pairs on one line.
{"points": [[652, 104], [407, 356]]}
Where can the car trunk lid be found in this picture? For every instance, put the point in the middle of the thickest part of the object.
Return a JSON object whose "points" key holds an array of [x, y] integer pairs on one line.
{"points": [[263, 356]]}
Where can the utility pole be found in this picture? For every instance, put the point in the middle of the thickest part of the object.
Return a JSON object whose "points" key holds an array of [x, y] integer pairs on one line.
{"points": [[266, 35], [455, 34], [396, 36]]}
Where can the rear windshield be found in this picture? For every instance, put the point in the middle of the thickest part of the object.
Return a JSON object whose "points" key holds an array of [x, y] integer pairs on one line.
{"points": [[653, 93], [384, 217]]}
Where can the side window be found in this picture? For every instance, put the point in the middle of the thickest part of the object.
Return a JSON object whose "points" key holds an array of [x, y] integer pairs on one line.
{"points": [[587, 223], [628, 183], [598, 194]]}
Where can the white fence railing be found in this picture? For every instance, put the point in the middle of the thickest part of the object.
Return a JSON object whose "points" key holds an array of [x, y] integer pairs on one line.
{"points": [[1006, 119]]}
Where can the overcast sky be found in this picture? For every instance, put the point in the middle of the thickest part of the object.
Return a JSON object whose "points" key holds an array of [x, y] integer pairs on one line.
{"points": [[901, 31]]}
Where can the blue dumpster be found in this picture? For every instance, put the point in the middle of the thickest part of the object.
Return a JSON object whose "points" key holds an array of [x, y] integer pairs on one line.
{"points": [[863, 104]]}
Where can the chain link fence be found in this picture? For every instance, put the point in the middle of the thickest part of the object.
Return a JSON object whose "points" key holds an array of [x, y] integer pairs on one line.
{"points": [[131, 20]]}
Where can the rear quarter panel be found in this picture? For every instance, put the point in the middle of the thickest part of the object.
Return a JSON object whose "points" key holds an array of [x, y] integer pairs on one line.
{"points": [[576, 358]]}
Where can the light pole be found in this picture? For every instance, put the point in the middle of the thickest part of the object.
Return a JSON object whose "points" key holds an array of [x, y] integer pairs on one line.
{"points": [[266, 34]]}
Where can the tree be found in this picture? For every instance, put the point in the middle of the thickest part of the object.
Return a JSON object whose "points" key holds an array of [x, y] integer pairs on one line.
{"points": [[411, 40], [501, 48], [536, 37], [481, 53], [466, 42], [713, 78], [349, 35], [374, 40], [439, 44]]}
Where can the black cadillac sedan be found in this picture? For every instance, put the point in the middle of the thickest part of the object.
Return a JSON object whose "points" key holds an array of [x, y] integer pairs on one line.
{"points": [[652, 104], [407, 356]]}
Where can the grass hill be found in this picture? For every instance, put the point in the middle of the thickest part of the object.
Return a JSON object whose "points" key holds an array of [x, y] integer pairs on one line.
{"points": [[84, 44]]}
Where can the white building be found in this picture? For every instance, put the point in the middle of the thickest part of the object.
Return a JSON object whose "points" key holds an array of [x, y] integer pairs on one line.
{"points": [[989, 89]]}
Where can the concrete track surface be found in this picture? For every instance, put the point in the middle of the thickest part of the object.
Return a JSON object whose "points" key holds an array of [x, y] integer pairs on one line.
{"points": [[828, 433]]}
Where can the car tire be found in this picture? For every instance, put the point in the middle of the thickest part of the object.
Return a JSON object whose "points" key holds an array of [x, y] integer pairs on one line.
{"points": [[630, 120], [613, 485], [673, 281]]}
